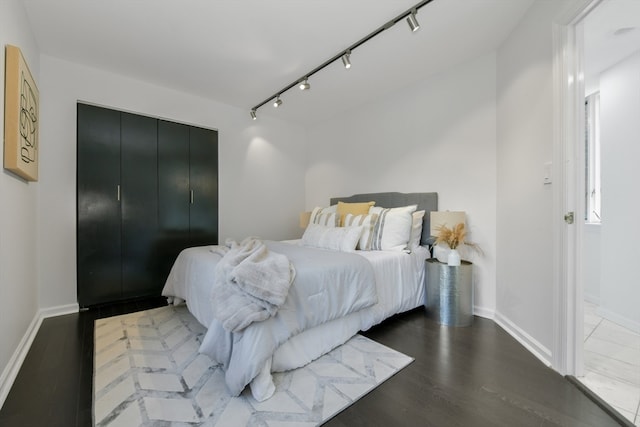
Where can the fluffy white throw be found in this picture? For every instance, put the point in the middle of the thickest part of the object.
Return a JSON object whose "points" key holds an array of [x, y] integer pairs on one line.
{"points": [[251, 283]]}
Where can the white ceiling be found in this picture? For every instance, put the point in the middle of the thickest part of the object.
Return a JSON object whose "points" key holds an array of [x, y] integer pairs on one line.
{"points": [[611, 33], [240, 52]]}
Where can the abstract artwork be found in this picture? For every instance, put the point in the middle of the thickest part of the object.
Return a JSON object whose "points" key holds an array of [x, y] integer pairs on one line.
{"points": [[21, 116]]}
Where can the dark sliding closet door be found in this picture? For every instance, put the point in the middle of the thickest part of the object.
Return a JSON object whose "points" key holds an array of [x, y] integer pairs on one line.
{"points": [[173, 192], [203, 178], [147, 189], [98, 207], [187, 189], [139, 204]]}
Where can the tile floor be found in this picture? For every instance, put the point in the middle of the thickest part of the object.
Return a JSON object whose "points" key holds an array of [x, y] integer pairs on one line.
{"points": [[612, 363]]}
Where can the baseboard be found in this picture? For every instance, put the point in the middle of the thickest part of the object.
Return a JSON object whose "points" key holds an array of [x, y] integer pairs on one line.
{"points": [[537, 349], [593, 299], [10, 371], [630, 324], [484, 312], [13, 367], [59, 310]]}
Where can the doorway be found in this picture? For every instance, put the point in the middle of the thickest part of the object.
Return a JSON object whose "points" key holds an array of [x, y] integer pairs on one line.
{"points": [[611, 346], [601, 297]]}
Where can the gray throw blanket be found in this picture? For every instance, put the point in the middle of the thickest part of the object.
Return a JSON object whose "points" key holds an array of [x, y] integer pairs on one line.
{"points": [[251, 283]]}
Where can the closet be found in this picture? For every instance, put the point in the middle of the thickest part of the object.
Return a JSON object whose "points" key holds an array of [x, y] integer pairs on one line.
{"points": [[146, 189]]}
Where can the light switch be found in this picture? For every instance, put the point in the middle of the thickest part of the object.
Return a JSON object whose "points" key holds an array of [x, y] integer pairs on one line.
{"points": [[547, 173]]}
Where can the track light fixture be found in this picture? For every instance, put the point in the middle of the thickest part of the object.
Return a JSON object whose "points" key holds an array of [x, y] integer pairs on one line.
{"points": [[303, 82], [413, 21], [345, 59]]}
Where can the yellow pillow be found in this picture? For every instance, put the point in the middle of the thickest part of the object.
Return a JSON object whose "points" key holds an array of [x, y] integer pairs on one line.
{"points": [[353, 209]]}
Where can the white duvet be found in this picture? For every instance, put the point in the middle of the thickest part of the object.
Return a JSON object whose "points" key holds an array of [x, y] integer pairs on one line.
{"points": [[325, 307]]}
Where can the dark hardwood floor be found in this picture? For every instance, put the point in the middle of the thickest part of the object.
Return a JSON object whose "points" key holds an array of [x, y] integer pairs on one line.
{"points": [[475, 376]]}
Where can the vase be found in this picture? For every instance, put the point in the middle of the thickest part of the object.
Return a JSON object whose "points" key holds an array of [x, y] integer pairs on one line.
{"points": [[453, 259], [441, 253]]}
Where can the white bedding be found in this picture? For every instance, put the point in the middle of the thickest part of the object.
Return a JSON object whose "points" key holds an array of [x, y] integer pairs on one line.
{"points": [[398, 287]]}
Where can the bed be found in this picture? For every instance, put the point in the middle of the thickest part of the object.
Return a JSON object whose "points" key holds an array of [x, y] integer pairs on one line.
{"points": [[325, 306]]}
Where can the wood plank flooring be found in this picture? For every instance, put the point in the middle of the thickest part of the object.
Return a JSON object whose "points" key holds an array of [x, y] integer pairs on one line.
{"points": [[475, 376]]}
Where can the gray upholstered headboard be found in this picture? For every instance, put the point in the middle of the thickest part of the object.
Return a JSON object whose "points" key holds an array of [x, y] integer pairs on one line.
{"points": [[426, 201]]}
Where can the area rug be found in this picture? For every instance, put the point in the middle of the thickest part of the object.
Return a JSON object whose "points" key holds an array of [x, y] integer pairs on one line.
{"points": [[148, 372]]}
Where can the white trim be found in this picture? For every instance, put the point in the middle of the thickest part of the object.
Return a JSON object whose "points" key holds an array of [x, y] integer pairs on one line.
{"points": [[575, 304], [567, 139], [614, 317], [59, 310], [563, 304], [10, 371], [537, 349], [13, 367], [484, 312], [593, 299]]}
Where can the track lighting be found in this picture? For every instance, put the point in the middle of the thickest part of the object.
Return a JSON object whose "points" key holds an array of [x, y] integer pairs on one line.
{"points": [[345, 55], [413, 21], [345, 59]]}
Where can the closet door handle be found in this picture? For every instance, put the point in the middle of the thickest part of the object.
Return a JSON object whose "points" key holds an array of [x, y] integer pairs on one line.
{"points": [[191, 196], [118, 192]]}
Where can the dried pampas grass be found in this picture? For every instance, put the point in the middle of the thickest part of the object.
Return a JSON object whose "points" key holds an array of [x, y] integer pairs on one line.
{"points": [[454, 237]]}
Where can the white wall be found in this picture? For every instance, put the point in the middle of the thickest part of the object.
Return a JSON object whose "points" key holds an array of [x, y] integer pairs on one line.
{"points": [[18, 206], [620, 151], [525, 143], [438, 135], [592, 253], [261, 164]]}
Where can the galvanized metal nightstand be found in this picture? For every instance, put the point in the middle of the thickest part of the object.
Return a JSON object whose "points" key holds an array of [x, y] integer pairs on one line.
{"points": [[449, 293]]}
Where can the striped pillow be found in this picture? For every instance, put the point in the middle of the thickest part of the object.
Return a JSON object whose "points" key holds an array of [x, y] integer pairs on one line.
{"points": [[393, 228], [342, 239], [367, 222], [324, 216]]}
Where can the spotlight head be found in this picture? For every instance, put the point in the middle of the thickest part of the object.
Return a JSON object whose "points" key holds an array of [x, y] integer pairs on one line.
{"points": [[277, 102], [345, 59], [413, 21], [304, 85], [253, 114]]}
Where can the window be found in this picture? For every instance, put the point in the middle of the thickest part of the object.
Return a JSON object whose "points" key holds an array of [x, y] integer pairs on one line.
{"points": [[592, 158]]}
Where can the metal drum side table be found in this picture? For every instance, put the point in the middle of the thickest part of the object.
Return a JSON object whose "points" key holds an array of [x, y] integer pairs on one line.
{"points": [[449, 293]]}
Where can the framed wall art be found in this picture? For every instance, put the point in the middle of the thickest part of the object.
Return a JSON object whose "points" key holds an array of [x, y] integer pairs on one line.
{"points": [[21, 116]]}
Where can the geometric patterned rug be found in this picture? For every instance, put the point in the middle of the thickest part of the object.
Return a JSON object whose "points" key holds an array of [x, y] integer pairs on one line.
{"points": [[148, 372]]}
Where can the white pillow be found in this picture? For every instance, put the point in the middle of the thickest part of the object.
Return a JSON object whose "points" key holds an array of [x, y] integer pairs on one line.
{"points": [[393, 228], [367, 222], [342, 239], [325, 216], [416, 229]]}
